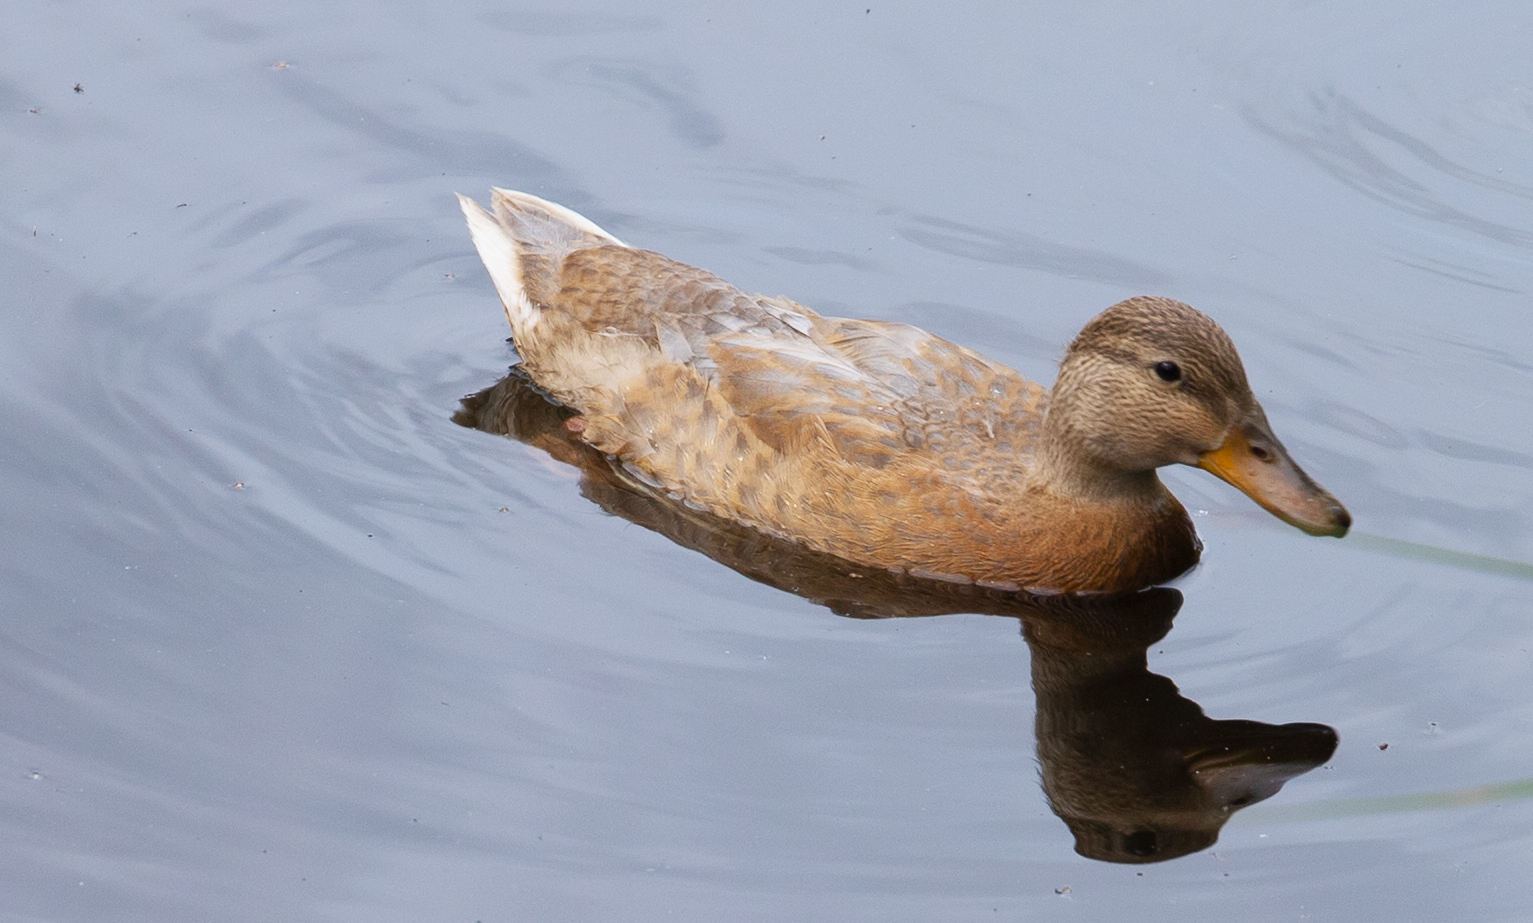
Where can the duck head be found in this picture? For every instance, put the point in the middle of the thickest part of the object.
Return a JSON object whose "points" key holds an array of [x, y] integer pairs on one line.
{"points": [[1152, 382]]}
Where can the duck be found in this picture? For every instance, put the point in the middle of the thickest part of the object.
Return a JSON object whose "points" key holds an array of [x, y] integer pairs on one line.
{"points": [[876, 441]]}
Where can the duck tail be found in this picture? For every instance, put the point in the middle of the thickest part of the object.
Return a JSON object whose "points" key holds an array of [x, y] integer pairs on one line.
{"points": [[526, 235], [544, 219]]}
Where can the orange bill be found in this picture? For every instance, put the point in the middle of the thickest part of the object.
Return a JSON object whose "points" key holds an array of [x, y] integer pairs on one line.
{"points": [[1255, 462]]}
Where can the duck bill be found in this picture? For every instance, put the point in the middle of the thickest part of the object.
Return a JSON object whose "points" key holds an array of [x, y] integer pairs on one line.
{"points": [[1253, 460]]}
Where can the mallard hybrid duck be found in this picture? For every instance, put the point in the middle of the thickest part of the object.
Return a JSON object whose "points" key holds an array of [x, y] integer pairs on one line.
{"points": [[877, 441]]}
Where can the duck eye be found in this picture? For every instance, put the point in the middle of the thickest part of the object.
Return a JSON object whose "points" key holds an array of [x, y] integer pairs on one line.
{"points": [[1168, 371]]}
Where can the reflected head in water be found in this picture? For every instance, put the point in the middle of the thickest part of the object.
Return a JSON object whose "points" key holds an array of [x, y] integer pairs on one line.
{"points": [[878, 442], [1137, 772]]}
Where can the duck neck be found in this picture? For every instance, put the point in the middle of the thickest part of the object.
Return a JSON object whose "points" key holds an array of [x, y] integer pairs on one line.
{"points": [[1069, 467], [1077, 478]]}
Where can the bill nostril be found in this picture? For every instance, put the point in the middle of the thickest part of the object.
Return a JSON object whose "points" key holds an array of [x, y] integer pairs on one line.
{"points": [[1261, 453]]}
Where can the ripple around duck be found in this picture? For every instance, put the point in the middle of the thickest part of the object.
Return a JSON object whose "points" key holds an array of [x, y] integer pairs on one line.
{"points": [[353, 686], [313, 558], [1361, 151]]}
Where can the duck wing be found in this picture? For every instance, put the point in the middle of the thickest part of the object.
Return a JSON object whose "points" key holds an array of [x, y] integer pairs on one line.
{"points": [[877, 391], [621, 333]]}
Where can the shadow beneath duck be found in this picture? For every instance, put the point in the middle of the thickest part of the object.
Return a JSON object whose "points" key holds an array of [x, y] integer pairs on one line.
{"points": [[1136, 770]]}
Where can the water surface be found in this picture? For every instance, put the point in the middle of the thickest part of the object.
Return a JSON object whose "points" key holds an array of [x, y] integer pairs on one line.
{"points": [[283, 641]]}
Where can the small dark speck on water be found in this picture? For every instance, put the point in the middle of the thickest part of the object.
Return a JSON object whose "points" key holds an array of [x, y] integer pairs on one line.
{"points": [[1383, 746], [79, 88]]}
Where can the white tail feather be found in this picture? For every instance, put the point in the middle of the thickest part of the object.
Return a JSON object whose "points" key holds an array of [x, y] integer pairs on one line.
{"points": [[498, 253], [499, 250], [558, 211]]}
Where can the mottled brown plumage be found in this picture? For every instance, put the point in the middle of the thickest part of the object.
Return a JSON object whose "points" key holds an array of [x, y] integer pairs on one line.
{"points": [[879, 442]]}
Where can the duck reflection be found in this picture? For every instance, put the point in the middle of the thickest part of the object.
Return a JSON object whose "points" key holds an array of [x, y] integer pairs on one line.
{"points": [[1135, 769]]}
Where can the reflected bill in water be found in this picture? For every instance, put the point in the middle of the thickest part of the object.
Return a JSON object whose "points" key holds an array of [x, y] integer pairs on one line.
{"points": [[1135, 769]]}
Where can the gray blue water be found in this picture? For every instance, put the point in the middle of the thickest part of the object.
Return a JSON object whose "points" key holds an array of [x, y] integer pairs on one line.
{"points": [[279, 640]]}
